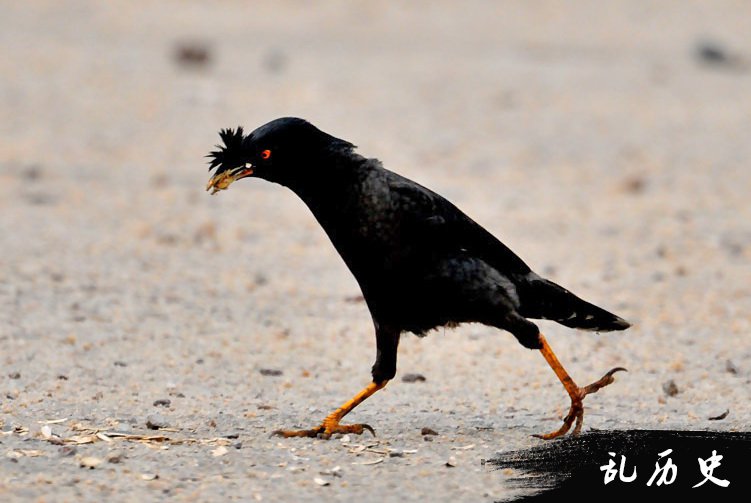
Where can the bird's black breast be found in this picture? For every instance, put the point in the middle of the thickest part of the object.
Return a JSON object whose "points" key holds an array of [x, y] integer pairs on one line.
{"points": [[410, 250], [369, 226]]}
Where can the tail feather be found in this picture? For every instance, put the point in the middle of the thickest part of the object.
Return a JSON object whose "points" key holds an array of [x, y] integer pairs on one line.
{"points": [[543, 299]]}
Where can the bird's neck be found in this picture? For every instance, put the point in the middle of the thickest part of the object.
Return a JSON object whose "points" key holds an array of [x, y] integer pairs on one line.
{"points": [[328, 190]]}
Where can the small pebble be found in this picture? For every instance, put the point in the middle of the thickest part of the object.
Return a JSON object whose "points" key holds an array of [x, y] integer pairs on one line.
{"points": [[115, 457], [670, 388], [163, 402], [334, 472], [33, 172], [731, 368], [428, 431], [14, 375], [721, 416], [634, 184], [156, 421], [271, 372], [67, 451], [219, 451], [90, 462], [413, 378], [321, 482], [192, 54], [713, 54]]}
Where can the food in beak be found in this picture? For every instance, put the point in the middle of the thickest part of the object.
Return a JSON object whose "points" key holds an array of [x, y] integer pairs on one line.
{"points": [[221, 181]]}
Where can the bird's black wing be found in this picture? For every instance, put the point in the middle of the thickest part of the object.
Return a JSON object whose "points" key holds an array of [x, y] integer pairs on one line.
{"points": [[443, 227]]}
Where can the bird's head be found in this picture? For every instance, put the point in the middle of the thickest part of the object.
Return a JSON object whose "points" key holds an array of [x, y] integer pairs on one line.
{"points": [[283, 151]]}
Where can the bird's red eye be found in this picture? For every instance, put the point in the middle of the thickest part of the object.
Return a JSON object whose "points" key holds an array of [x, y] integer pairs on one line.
{"points": [[266, 154]]}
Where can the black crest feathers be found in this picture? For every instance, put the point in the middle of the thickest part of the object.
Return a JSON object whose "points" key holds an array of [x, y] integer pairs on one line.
{"points": [[229, 155]]}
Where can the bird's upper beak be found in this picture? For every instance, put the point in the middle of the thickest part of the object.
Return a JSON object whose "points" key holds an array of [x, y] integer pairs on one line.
{"points": [[221, 181]]}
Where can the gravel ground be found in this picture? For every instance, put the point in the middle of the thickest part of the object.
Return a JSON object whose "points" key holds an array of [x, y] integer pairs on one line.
{"points": [[607, 144]]}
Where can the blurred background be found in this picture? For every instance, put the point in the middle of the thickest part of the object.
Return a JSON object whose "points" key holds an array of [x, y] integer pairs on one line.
{"points": [[605, 142]]}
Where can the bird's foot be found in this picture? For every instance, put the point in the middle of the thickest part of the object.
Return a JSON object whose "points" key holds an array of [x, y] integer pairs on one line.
{"points": [[326, 429], [576, 412], [331, 424]]}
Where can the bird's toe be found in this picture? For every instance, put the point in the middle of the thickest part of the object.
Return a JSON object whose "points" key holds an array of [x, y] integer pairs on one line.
{"points": [[575, 414], [601, 382], [326, 430], [312, 433], [356, 429]]}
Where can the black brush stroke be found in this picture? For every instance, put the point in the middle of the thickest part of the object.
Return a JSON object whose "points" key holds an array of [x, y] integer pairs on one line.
{"points": [[571, 467]]}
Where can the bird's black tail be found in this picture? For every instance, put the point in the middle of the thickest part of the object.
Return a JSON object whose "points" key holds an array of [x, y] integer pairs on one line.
{"points": [[543, 299]]}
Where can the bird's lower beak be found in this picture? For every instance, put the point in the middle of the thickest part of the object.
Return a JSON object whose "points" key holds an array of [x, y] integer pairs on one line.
{"points": [[223, 180]]}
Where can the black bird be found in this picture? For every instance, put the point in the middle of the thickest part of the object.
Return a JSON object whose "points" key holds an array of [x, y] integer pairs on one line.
{"points": [[421, 263]]}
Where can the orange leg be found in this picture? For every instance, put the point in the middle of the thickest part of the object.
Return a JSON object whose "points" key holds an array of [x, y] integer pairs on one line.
{"points": [[577, 394], [331, 425]]}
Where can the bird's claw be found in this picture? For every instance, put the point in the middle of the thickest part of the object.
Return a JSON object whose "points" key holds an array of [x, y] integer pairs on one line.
{"points": [[325, 431], [602, 382], [364, 427], [576, 411]]}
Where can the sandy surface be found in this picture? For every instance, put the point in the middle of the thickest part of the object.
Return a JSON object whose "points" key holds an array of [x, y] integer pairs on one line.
{"points": [[589, 138]]}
